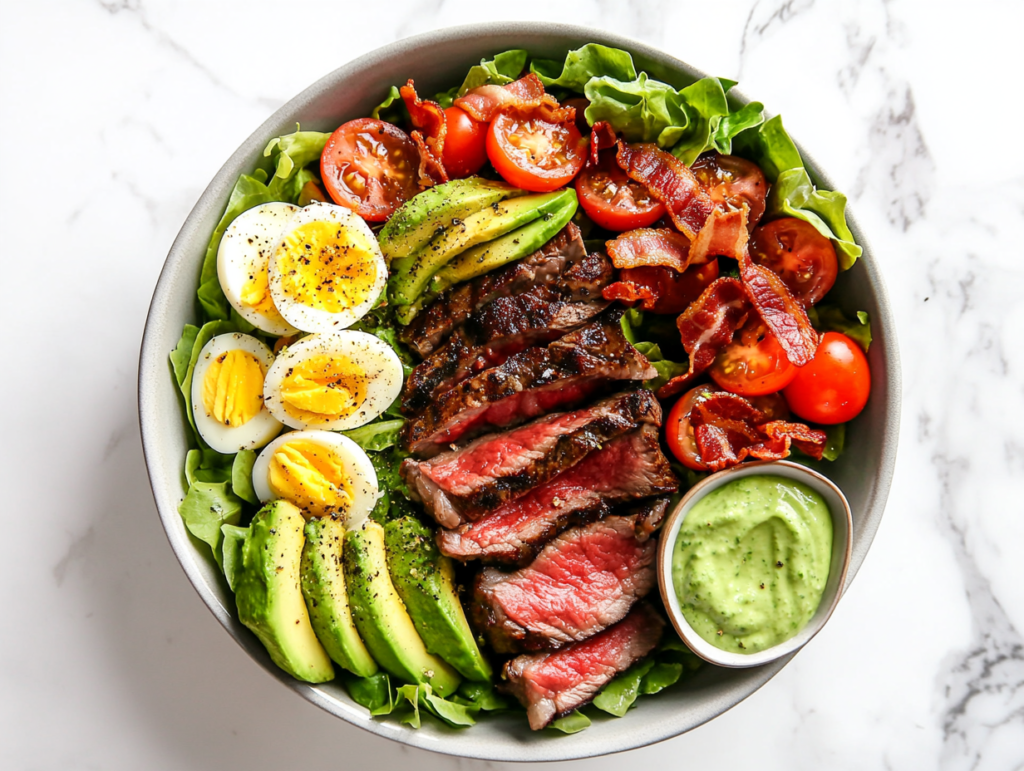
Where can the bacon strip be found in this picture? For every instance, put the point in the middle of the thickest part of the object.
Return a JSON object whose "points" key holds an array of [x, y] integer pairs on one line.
{"points": [[430, 119], [649, 246], [630, 292], [524, 95], [660, 289], [782, 313], [728, 429], [670, 181], [707, 326], [724, 234], [602, 137]]}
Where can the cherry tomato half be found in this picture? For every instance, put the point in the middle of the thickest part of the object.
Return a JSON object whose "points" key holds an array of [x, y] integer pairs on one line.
{"points": [[673, 290], [679, 432], [732, 182], [465, 144], [753, 364], [834, 386], [370, 166], [613, 200], [804, 259], [534, 154]]}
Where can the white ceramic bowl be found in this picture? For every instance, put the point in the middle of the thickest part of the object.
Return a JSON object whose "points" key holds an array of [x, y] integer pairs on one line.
{"points": [[437, 60], [842, 540]]}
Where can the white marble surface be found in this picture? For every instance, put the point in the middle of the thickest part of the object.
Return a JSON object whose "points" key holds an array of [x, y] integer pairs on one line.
{"points": [[115, 115]]}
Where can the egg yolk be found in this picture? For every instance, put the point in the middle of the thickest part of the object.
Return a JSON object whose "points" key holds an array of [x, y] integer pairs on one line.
{"points": [[310, 476], [255, 294], [323, 388], [233, 388], [326, 266]]}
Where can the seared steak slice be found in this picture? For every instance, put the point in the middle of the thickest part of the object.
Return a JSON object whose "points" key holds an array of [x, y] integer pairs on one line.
{"points": [[550, 685], [530, 383], [648, 516], [501, 329], [582, 582], [463, 484], [628, 468], [433, 325]]}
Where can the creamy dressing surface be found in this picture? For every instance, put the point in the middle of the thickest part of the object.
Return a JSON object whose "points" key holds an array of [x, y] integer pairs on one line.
{"points": [[751, 561]]}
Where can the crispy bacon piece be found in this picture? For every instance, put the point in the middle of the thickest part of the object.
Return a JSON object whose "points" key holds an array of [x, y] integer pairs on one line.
{"points": [[728, 429], [524, 95], [708, 325], [629, 292], [650, 246], [724, 234], [660, 289], [782, 313], [429, 119], [670, 181], [602, 137]]}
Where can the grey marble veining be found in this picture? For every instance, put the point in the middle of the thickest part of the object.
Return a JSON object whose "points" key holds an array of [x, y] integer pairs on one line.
{"points": [[117, 113]]}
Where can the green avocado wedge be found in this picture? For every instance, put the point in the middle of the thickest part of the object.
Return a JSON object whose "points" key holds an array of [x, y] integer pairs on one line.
{"points": [[410, 276], [419, 219], [381, 616], [323, 586], [269, 598], [425, 580], [509, 248]]}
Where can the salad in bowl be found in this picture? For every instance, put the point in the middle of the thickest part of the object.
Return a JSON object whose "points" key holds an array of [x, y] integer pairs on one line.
{"points": [[457, 357]]}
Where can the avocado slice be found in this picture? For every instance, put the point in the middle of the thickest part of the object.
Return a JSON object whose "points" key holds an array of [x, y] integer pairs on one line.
{"points": [[410, 276], [419, 219], [425, 580], [381, 617], [269, 598], [513, 246], [323, 586]]}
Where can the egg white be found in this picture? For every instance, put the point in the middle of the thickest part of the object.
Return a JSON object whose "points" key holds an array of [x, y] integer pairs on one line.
{"points": [[305, 317], [254, 433], [375, 357], [245, 250], [361, 474]]}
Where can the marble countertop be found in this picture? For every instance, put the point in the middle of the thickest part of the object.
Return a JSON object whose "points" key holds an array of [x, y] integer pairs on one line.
{"points": [[118, 112]]}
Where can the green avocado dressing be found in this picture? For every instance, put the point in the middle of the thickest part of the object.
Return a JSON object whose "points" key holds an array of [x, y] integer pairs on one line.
{"points": [[751, 561]]}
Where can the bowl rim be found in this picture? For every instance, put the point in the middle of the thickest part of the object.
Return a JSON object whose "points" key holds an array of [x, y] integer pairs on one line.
{"points": [[153, 368], [842, 526]]}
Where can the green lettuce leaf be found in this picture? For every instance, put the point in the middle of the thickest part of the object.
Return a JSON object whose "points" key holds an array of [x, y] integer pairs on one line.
{"points": [[206, 507], [666, 369], [373, 692], [207, 466], [377, 436], [830, 318], [590, 61], [241, 476], [392, 109], [502, 69], [181, 356], [728, 127], [205, 334], [794, 195], [770, 147], [705, 105], [572, 723], [231, 551], [661, 676], [835, 441], [481, 696], [618, 696]]}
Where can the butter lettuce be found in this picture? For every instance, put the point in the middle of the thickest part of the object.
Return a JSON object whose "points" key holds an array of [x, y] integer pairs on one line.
{"points": [[572, 723], [241, 476], [502, 69], [830, 318], [407, 703], [206, 508], [590, 61], [379, 435], [232, 537]]}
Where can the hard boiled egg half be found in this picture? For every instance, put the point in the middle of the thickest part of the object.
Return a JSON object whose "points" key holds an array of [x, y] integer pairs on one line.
{"points": [[334, 381], [323, 473], [243, 263], [227, 394], [327, 270]]}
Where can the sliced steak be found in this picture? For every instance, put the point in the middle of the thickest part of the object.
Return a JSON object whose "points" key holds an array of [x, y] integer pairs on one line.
{"points": [[461, 485], [550, 685], [530, 383], [648, 516], [628, 468], [501, 329], [582, 582], [436, 322]]}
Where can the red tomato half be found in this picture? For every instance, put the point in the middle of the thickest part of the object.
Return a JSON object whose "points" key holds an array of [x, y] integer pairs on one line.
{"points": [[753, 364], [535, 154], [834, 386], [804, 259], [733, 183], [613, 200], [370, 166], [465, 144], [679, 432], [673, 290]]}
